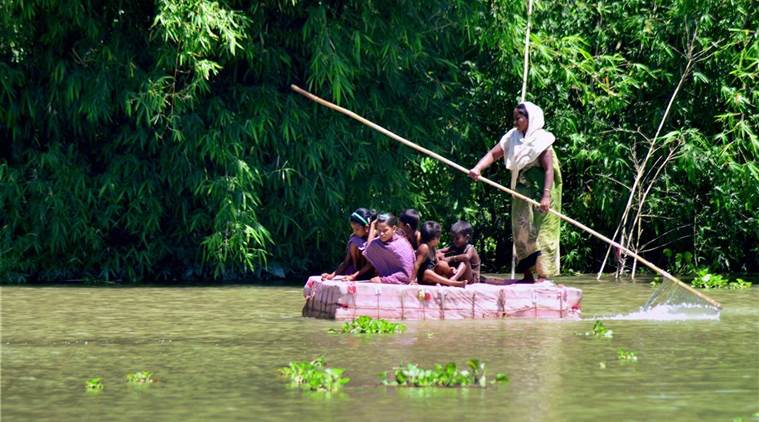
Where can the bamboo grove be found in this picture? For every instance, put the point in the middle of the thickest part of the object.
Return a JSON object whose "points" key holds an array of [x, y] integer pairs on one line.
{"points": [[150, 141]]}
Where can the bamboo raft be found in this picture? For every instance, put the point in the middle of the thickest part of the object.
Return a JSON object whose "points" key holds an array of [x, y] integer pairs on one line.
{"points": [[341, 300]]}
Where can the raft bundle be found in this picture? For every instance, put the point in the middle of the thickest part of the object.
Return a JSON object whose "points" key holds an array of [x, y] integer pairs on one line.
{"points": [[342, 300]]}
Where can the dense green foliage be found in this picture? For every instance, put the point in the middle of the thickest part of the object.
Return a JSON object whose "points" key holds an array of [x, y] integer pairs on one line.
{"points": [[159, 140], [315, 376], [368, 325], [447, 375]]}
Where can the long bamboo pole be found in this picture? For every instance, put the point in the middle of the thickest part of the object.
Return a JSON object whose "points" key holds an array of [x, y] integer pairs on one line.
{"points": [[487, 181], [515, 172]]}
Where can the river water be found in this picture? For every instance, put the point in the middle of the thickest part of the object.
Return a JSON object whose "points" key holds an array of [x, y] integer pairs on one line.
{"points": [[216, 350]]}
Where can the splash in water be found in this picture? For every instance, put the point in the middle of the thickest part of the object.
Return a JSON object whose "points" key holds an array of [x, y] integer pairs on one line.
{"points": [[671, 302], [667, 312]]}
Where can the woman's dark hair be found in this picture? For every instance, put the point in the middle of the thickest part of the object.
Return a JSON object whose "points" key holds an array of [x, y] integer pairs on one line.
{"points": [[462, 227], [410, 217], [430, 230], [522, 109], [387, 218], [363, 216]]}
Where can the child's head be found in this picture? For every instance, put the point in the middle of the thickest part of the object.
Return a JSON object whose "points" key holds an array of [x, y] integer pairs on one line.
{"points": [[410, 218], [360, 220], [430, 232], [386, 225], [461, 233]]}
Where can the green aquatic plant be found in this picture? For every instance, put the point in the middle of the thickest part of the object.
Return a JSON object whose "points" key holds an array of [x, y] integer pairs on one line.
{"points": [[739, 283], [706, 280], [627, 356], [599, 330], [140, 378], [501, 378], [94, 384], [367, 325], [447, 375], [314, 375]]}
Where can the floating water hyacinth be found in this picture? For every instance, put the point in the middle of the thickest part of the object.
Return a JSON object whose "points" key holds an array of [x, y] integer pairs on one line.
{"points": [[367, 325], [94, 385], [315, 376], [599, 330], [447, 375], [626, 356], [140, 378], [706, 280]]}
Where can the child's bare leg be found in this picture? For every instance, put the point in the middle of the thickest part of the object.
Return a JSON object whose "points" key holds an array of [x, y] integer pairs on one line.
{"points": [[444, 269], [459, 272], [431, 277], [464, 272]]}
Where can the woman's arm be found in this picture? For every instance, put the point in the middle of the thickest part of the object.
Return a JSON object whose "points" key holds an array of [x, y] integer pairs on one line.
{"points": [[546, 160], [494, 154], [340, 268], [372, 232]]}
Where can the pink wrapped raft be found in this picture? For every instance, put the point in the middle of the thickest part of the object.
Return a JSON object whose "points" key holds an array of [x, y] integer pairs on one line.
{"points": [[341, 300]]}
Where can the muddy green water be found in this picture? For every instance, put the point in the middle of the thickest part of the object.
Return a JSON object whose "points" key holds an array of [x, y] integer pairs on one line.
{"points": [[216, 352]]}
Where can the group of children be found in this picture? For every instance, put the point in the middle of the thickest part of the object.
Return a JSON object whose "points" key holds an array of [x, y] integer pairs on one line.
{"points": [[397, 250]]}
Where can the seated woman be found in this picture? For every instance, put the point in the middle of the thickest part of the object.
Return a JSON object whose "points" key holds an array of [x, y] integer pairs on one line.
{"points": [[388, 252], [427, 267], [354, 260]]}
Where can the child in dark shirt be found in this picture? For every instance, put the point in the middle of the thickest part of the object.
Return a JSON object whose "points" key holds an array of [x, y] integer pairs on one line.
{"points": [[428, 269], [462, 255]]}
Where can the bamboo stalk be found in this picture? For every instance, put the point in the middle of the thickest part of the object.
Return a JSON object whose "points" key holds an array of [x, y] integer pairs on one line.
{"points": [[639, 215], [487, 181], [526, 52], [651, 149], [515, 172]]}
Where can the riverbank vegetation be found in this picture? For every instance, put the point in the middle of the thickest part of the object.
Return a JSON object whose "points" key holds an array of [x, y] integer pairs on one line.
{"points": [[158, 140]]}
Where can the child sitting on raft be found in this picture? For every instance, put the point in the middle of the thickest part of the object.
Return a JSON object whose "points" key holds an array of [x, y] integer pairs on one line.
{"points": [[409, 226], [428, 269], [354, 260], [388, 252], [462, 255]]}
